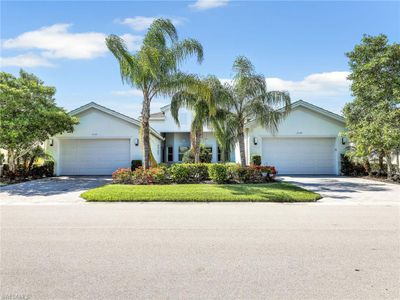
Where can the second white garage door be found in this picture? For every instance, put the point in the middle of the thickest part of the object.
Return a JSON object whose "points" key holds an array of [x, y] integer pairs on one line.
{"points": [[93, 156], [300, 155]]}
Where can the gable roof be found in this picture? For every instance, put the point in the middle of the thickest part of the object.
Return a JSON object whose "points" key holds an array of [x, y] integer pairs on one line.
{"points": [[298, 103], [161, 114], [317, 109], [112, 113]]}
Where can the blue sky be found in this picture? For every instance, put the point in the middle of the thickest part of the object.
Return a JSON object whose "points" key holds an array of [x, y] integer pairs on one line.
{"points": [[298, 45]]}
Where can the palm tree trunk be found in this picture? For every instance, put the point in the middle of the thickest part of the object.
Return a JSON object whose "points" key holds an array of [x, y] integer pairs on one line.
{"points": [[146, 130], [197, 138], [242, 147]]}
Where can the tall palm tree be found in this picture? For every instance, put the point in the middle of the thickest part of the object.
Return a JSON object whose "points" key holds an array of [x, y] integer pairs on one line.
{"points": [[249, 100], [154, 69], [202, 104]]}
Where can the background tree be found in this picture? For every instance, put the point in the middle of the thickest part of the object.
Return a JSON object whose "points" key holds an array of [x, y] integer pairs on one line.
{"points": [[154, 69], [28, 114], [249, 100], [373, 118]]}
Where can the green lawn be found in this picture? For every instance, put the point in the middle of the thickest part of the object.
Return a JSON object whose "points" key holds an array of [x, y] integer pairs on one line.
{"points": [[271, 192]]}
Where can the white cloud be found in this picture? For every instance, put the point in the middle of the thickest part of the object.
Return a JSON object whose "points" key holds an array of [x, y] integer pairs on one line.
{"points": [[208, 4], [138, 23], [57, 42], [327, 84], [133, 42], [141, 23], [28, 60]]}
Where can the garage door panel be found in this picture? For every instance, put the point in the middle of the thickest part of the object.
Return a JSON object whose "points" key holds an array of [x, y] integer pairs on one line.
{"points": [[300, 155], [93, 156]]}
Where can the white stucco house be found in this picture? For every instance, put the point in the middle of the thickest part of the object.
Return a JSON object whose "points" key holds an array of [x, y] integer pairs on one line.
{"points": [[308, 141]]}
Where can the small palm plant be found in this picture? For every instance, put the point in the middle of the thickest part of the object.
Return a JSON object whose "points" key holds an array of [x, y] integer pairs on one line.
{"points": [[154, 69], [249, 100], [203, 105]]}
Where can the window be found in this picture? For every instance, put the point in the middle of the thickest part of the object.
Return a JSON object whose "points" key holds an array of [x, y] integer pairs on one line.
{"points": [[170, 154], [219, 154], [182, 151]]}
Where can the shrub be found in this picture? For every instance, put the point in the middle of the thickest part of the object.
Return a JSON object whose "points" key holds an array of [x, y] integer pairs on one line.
{"points": [[180, 173], [205, 156], [351, 168], [187, 173], [136, 163], [44, 170], [251, 174], [218, 173], [155, 175], [188, 157], [256, 160], [122, 175]]}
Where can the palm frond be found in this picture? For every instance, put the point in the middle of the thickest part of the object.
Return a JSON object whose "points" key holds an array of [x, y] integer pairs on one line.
{"points": [[188, 47]]}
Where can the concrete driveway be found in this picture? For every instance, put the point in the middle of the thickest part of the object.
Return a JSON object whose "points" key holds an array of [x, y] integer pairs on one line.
{"points": [[348, 190], [55, 190]]}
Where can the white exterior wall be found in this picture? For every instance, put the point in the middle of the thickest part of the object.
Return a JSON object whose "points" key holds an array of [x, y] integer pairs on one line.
{"points": [[168, 124], [301, 122], [95, 124]]}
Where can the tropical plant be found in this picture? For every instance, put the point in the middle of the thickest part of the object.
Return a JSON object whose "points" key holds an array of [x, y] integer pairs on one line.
{"points": [[203, 103], [248, 100], [154, 69], [29, 115], [205, 155]]}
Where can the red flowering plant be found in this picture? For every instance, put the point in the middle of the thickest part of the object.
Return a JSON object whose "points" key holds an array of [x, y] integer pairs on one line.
{"points": [[156, 175], [265, 169], [122, 175]]}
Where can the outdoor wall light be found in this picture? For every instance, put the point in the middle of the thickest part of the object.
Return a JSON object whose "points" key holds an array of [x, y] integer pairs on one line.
{"points": [[136, 142], [343, 140], [51, 143], [255, 141]]}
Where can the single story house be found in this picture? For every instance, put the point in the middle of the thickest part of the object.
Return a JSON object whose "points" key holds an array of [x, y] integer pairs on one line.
{"points": [[308, 141]]}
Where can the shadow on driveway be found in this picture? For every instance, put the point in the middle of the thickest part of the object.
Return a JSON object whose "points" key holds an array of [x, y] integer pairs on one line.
{"points": [[55, 185]]}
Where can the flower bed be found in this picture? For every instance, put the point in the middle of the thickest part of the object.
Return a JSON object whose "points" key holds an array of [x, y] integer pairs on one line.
{"points": [[196, 173]]}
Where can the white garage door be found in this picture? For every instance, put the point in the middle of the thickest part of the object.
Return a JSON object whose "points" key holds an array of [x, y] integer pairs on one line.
{"points": [[93, 156], [300, 155]]}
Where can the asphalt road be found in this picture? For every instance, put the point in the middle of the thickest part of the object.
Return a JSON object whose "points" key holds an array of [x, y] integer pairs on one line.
{"points": [[200, 251]]}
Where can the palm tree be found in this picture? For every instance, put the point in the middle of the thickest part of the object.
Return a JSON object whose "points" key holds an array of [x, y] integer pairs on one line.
{"points": [[203, 106], [154, 69], [249, 100], [224, 132]]}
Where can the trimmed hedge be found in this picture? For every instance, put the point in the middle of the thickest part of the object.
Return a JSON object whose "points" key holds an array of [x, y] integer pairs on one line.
{"points": [[189, 173], [196, 173], [218, 173]]}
